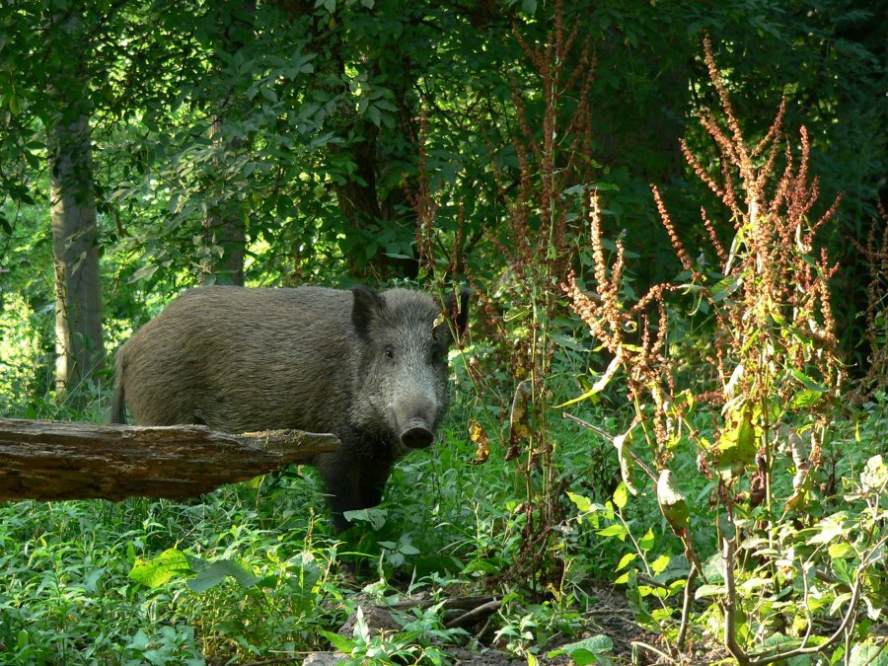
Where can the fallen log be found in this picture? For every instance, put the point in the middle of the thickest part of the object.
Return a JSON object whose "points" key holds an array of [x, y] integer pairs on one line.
{"points": [[52, 460]]}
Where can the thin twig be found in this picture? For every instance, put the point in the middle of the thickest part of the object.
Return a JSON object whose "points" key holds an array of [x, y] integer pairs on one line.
{"points": [[730, 604], [603, 433], [686, 609], [850, 613], [651, 648], [466, 618]]}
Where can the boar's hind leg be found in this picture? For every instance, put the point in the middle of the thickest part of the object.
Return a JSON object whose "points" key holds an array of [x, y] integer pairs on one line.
{"points": [[353, 486]]}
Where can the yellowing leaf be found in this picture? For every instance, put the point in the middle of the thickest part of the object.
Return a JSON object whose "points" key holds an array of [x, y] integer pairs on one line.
{"points": [[672, 502], [626, 560], [621, 496], [482, 442], [875, 474], [659, 565], [840, 550], [736, 447]]}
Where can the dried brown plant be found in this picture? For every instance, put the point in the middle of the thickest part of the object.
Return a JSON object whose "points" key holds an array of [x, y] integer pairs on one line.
{"points": [[773, 343]]}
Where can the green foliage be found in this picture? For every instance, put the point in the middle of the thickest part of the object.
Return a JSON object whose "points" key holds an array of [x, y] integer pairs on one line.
{"points": [[427, 145]]}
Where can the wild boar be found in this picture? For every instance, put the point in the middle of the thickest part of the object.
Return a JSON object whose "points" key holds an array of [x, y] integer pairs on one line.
{"points": [[369, 367]]}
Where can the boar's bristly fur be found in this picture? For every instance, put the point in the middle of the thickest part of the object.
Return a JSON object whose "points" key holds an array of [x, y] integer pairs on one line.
{"points": [[369, 367]]}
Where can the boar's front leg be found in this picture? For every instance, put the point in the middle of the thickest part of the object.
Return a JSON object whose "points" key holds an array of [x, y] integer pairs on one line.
{"points": [[353, 485]]}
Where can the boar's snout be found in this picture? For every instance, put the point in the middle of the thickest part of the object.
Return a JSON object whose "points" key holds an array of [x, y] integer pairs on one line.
{"points": [[417, 434]]}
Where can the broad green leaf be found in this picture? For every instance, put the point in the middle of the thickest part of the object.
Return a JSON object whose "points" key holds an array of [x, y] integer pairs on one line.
{"points": [[218, 571], [625, 560], [659, 565], [340, 643], [615, 530], [808, 382], [585, 651], [805, 398], [583, 504], [144, 273], [621, 495], [161, 569], [869, 653], [839, 550], [599, 385], [375, 517], [647, 541], [709, 591]]}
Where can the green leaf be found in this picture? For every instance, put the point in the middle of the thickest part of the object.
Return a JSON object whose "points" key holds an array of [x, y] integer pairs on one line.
{"points": [[625, 560], [340, 643], [840, 550], [161, 569], [374, 115], [615, 530], [375, 517], [583, 504], [529, 6], [808, 382], [621, 495], [659, 565], [647, 541], [139, 641], [144, 273], [869, 653], [218, 571], [804, 399], [709, 591], [585, 651]]}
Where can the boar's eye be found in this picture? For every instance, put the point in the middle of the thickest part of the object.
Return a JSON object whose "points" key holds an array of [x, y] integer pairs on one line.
{"points": [[436, 357], [389, 352]]}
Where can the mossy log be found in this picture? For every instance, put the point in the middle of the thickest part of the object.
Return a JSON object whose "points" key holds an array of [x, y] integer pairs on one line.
{"points": [[52, 460]]}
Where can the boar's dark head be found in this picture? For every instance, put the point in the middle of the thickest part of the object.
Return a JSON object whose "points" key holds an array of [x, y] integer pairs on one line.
{"points": [[401, 387]]}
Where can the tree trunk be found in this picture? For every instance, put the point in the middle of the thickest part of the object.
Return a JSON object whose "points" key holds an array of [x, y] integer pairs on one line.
{"points": [[79, 348], [48, 460], [224, 229], [224, 232]]}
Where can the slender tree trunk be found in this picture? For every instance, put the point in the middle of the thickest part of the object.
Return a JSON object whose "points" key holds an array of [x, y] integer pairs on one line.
{"points": [[224, 228], [79, 348]]}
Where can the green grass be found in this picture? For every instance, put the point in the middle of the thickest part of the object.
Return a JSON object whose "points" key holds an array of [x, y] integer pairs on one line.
{"points": [[450, 527], [66, 595]]}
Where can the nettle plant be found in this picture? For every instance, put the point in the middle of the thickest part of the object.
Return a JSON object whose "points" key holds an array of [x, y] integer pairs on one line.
{"points": [[534, 241], [789, 579]]}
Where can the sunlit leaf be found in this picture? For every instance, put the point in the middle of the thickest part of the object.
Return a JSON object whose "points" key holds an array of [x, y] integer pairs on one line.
{"points": [[159, 570], [672, 502]]}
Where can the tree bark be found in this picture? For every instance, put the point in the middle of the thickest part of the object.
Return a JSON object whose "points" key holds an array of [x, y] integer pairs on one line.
{"points": [[79, 348], [224, 226], [48, 460]]}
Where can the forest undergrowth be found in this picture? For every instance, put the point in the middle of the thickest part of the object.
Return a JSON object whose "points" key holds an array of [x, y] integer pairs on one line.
{"points": [[679, 474]]}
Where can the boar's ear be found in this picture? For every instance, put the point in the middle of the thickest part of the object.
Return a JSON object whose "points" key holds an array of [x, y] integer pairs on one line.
{"points": [[368, 304], [456, 316]]}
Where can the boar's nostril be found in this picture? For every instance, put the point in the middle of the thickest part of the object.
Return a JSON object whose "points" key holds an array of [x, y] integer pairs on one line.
{"points": [[417, 435]]}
